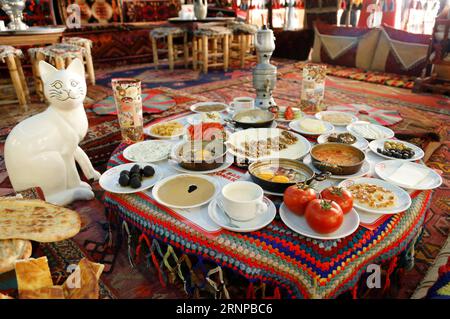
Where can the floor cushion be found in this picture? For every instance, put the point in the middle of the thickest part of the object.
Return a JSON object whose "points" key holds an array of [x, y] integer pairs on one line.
{"points": [[400, 52], [345, 46]]}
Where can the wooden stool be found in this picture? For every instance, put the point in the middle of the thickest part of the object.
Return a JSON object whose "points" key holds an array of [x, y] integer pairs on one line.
{"points": [[211, 47], [87, 45], [173, 50], [59, 55], [11, 56], [242, 45]]}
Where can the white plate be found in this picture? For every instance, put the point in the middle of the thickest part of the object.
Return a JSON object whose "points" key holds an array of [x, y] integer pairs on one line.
{"points": [[297, 114], [319, 116], [139, 147], [260, 221], [295, 126], [402, 200], [148, 131], [228, 162], [109, 180], [365, 169], [196, 119], [360, 143], [385, 169], [418, 152], [294, 151], [194, 106], [299, 225], [387, 132], [163, 181]]}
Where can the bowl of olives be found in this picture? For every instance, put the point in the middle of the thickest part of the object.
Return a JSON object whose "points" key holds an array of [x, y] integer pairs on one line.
{"points": [[130, 178], [394, 149]]}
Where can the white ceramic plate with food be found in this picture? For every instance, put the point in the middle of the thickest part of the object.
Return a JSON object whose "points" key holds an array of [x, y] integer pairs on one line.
{"points": [[323, 127], [256, 137], [360, 142], [186, 190], [408, 175], [282, 109], [379, 144], [228, 162], [205, 107], [365, 169], [400, 201], [109, 180], [299, 225], [370, 131], [198, 118], [148, 151], [174, 127], [336, 118], [217, 214]]}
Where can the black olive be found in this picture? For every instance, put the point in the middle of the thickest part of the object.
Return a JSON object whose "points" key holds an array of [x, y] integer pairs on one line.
{"points": [[135, 169], [379, 150], [124, 180], [148, 171], [136, 175], [405, 156], [135, 182], [124, 172]]}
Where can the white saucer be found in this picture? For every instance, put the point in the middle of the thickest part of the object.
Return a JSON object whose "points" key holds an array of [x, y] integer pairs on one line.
{"points": [[402, 201], [295, 126], [228, 162], [297, 114], [299, 225], [193, 107], [375, 144], [360, 143], [365, 169], [385, 170], [319, 116], [388, 133], [148, 131], [109, 180], [260, 221], [139, 147]]}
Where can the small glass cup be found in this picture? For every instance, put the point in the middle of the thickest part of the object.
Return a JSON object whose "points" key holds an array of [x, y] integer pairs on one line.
{"points": [[313, 87], [127, 96]]}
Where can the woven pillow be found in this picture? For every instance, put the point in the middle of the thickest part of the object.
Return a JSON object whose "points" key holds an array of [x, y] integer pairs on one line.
{"points": [[351, 47], [400, 52]]}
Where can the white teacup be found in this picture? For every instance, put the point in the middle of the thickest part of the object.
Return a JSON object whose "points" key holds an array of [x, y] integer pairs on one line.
{"points": [[243, 201], [242, 103]]}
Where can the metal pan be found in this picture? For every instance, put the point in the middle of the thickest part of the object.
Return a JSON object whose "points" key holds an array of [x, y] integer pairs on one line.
{"points": [[253, 118]]}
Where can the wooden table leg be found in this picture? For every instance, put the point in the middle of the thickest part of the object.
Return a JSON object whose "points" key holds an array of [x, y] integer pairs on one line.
{"points": [[242, 49], [59, 63], [170, 54], [186, 50], [15, 78], [194, 53], [226, 52], [214, 49], [205, 53], [155, 53], [37, 76]]}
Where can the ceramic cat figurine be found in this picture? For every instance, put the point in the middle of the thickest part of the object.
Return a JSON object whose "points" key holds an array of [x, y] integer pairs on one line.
{"points": [[42, 149]]}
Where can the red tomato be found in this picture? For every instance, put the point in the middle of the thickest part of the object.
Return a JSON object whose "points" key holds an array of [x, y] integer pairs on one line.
{"points": [[296, 197], [324, 216], [339, 195], [289, 113]]}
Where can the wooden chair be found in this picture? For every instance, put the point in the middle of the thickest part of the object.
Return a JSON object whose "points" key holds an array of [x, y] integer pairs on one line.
{"points": [[11, 56], [242, 45], [211, 47], [59, 55], [87, 56], [173, 50]]}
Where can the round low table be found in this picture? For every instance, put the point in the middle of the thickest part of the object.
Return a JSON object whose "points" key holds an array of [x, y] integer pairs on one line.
{"points": [[297, 266]]}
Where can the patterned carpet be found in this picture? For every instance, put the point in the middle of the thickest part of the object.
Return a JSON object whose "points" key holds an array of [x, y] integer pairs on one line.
{"points": [[422, 115]]}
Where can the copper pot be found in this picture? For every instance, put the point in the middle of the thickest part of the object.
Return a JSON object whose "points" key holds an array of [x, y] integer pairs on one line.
{"points": [[334, 167]]}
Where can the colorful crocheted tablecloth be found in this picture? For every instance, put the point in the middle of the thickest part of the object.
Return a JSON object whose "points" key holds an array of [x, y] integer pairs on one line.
{"points": [[299, 266]]}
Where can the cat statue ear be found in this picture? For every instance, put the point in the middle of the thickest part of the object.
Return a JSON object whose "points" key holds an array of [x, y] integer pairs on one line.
{"points": [[42, 150]]}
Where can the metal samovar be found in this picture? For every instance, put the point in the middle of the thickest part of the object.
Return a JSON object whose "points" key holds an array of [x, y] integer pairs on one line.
{"points": [[13, 9], [264, 74]]}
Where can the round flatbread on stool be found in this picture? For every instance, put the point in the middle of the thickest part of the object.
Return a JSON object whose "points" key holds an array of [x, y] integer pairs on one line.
{"points": [[37, 220], [12, 250]]}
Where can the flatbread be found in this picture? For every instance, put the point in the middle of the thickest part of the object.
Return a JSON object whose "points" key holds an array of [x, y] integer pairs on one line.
{"points": [[89, 274], [12, 250], [37, 220], [33, 274], [52, 292]]}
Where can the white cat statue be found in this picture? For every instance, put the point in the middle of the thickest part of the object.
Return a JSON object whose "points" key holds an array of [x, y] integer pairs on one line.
{"points": [[42, 149]]}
